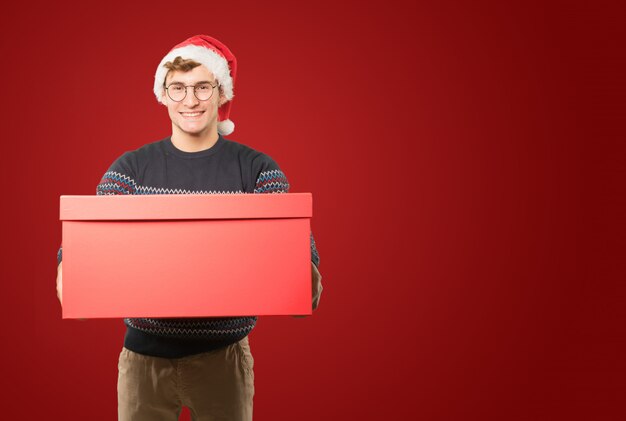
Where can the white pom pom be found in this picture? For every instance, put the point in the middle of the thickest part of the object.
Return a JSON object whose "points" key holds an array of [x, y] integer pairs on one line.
{"points": [[225, 127]]}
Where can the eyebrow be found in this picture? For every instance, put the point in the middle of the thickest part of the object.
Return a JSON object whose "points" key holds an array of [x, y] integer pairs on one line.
{"points": [[197, 83]]}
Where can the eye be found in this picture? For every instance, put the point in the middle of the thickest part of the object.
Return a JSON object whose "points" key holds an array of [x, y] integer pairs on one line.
{"points": [[204, 87], [176, 88]]}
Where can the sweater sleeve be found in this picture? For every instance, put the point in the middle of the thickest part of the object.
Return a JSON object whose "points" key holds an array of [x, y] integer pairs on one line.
{"points": [[271, 179], [120, 177]]}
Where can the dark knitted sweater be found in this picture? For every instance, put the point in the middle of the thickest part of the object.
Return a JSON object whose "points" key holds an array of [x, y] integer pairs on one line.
{"points": [[161, 168]]}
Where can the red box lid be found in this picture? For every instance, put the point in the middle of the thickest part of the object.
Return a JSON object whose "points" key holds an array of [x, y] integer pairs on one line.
{"points": [[183, 206]]}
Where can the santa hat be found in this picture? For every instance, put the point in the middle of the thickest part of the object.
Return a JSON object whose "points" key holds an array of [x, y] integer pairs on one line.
{"points": [[216, 57]]}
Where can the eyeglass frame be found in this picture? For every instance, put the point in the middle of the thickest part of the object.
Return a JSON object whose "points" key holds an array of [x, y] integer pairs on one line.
{"points": [[190, 86]]}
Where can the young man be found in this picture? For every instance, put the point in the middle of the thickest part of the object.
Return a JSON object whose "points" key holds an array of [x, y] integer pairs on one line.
{"points": [[204, 364]]}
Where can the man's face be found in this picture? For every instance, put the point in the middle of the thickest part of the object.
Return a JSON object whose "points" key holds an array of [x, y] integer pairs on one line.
{"points": [[192, 116]]}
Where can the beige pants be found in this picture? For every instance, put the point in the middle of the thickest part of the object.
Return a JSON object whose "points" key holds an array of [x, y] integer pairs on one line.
{"points": [[215, 385]]}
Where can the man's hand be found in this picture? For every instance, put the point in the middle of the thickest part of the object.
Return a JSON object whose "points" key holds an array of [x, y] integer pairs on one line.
{"points": [[316, 288], [60, 283], [316, 285]]}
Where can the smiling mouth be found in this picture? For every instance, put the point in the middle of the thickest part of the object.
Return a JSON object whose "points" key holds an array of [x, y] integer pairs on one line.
{"points": [[192, 114]]}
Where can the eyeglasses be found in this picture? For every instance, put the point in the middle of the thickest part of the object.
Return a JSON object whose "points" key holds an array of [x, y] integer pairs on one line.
{"points": [[177, 91]]}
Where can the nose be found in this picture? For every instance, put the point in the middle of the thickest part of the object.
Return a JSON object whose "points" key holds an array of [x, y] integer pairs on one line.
{"points": [[190, 99]]}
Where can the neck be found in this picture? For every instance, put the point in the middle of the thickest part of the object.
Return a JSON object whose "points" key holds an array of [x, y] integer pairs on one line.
{"points": [[193, 142]]}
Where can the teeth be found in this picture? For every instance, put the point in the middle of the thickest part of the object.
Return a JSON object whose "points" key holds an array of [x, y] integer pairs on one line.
{"points": [[191, 114]]}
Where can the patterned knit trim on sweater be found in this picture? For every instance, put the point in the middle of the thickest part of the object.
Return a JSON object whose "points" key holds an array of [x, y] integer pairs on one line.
{"points": [[218, 329]]}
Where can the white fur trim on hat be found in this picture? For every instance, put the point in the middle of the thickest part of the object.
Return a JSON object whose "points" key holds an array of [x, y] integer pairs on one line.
{"points": [[225, 127], [205, 56]]}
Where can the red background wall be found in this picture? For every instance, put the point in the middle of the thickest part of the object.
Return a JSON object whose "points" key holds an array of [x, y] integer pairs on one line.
{"points": [[467, 161]]}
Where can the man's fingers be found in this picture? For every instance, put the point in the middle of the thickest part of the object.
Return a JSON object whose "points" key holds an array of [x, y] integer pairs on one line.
{"points": [[60, 283], [316, 285]]}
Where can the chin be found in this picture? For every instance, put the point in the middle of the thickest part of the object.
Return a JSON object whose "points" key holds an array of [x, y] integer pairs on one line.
{"points": [[193, 129]]}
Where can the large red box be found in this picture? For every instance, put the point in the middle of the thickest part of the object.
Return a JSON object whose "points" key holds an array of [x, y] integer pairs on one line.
{"points": [[186, 255]]}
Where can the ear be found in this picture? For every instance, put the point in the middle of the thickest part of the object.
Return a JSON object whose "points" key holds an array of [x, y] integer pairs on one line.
{"points": [[222, 100], [163, 99]]}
